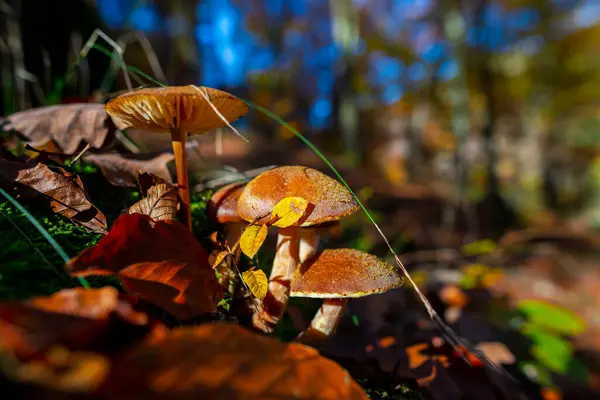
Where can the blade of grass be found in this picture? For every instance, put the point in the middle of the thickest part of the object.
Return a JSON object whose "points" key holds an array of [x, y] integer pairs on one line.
{"points": [[61, 252]]}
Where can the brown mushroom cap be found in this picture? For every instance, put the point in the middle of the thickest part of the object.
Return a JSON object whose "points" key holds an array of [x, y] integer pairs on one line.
{"points": [[222, 206], [175, 107], [343, 273], [331, 199]]}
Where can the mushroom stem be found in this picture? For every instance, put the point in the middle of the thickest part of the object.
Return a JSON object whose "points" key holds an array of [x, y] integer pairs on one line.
{"points": [[309, 243], [284, 265], [178, 139], [324, 323]]}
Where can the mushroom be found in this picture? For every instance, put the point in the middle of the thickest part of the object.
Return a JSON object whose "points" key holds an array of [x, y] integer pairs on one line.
{"points": [[329, 201], [336, 276], [179, 110]]}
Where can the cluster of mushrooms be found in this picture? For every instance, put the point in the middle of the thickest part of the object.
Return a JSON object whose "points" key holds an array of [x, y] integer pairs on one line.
{"points": [[299, 269]]}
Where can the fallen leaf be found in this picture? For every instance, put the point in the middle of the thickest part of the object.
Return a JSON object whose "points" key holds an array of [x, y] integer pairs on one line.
{"points": [[64, 191], [257, 282], [123, 169], [171, 265], [77, 318], [226, 361], [95, 304], [65, 125], [61, 370], [252, 238], [173, 286], [288, 211], [160, 202]]}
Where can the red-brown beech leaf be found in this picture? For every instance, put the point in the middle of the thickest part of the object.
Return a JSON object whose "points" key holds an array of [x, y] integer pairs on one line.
{"points": [[159, 260], [226, 361], [63, 189], [123, 169], [77, 318], [66, 125]]}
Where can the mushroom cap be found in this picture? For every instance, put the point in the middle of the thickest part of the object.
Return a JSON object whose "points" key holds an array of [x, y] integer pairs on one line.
{"points": [[163, 109], [222, 206], [343, 273], [329, 199]]}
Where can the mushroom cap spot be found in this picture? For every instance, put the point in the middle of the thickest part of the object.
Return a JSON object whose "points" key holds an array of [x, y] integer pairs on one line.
{"points": [[164, 109], [343, 273], [222, 206], [329, 199]]}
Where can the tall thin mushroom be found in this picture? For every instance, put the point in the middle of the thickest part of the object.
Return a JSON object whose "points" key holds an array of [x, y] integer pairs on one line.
{"points": [[179, 110], [336, 276], [329, 201]]}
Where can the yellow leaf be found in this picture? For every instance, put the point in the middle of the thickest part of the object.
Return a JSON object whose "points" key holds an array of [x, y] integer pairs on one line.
{"points": [[288, 211], [252, 238], [257, 282], [217, 257]]}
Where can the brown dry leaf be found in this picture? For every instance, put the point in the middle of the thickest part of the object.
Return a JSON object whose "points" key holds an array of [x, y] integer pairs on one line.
{"points": [[123, 169], [225, 361], [66, 125], [288, 211], [160, 202], [61, 370], [252, 239], [159, 260], [257, 282], [64, 191], [78, 318]]}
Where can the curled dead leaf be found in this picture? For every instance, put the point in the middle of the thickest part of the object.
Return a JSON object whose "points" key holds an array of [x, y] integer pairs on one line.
{"points": [[226, 361], [160, 202], [160, 260], [66, 126], [64, 190]]}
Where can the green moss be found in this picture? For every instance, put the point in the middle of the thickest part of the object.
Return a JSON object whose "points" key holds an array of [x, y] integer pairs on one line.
{"points": [[29, 265]]}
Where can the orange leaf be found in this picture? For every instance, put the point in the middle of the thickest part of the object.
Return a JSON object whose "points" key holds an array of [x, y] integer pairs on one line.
{"points": [[77, 318], [252, 238], [176, 287], [165, 259], [226, 361]]}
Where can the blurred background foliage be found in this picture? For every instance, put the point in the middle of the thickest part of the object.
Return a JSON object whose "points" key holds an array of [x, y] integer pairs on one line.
{"points": [[480, 100]]}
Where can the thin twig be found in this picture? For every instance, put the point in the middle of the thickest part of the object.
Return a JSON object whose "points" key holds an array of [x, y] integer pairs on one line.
{"points": [[81, 153]]}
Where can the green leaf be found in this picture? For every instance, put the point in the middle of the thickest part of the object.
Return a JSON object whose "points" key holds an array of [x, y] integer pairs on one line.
{"points": [[552, 317], [550, 350]]}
